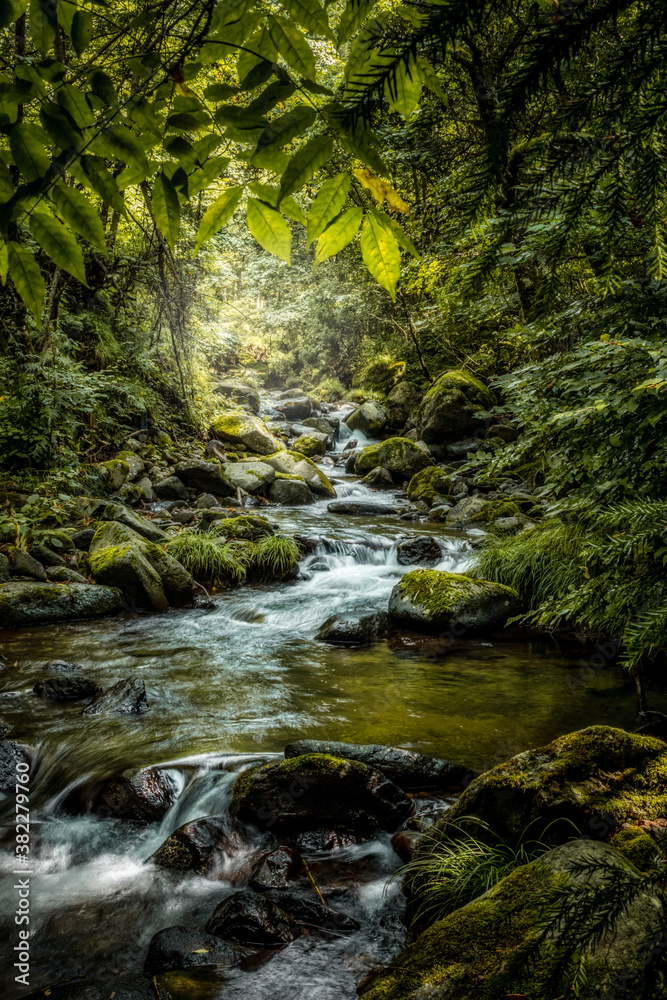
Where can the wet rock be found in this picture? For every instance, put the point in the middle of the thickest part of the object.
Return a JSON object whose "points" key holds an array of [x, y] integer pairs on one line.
{"points": [[430, 485], [255, 478], [422, 549], [362, 507], [21, 563], [401, 401], [64, 574], [298, 794], [183, 516], [379, 479], [311, 444], [408, 770], [433, 601], [62, 667], [67, 687], [216, 449], [277, 870], [344, 631], [130, 519], [291, 492], [127, 697], [325, 425], [119, 987], [134, 464], [246, 432], [24, 604], [199, 846], [297, 408], [250, 918], [207, 476], [171, 488], [351, 459], [447, 411], [11, 754], [307, 909], [240, 392], [141, 794], [405, 843], [46, 556], [206, 502], [187, 948], [145, 486], [370, 418], [401, 457], [324, 840], [83, 538], [293, 463]]}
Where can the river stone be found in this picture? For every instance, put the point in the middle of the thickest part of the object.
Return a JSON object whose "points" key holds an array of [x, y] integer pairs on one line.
{"points": [[487, 949], [255, 478], [127, 697], [144, 794], [342, 631], [292, 463], [431, 600], [64, 574], [466, 511], [278, 870], [370, 418], [187, 948], [67, 687], [134, 463], [430, 485], [401, 401], [362, 507], [208, 476], [142, 526], [199, 846], [314, 791], [379, 479], [250, 918], [409, 770], [46, 603], [325, 425], [126, 566], [21, 563], [83, 538], [216, 449], [311, 444], [422, 549], [291, 492], [127, 987], [401, 457], [447, 411], [296, 408], [246, 432], [308, 910], [46, 556], [239, 392], [11, 754], [207, 502], [171, 488]]}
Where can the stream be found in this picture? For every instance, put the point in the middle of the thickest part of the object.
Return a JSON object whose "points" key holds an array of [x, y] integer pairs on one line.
{"points": [[229, 684]]}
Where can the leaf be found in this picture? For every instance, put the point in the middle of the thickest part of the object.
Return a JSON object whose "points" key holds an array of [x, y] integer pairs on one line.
{"points": [[328, 203], [338, 235], [82, 31], [292, 46], [166, 208], [204, 176], [271, 159], [430, 79], [259, 53], [220, 91], [310, 15], [65, 15], [305, 163], [400, 235], [75, 103], [79, 214], [58, 243], [404, 88], [4, 262], [61, 127], [282, 130], [118, 143], [290, 208], [269, 229], [27, 278], [29, 152], [354, 14], [6, 183], [101, 181], [103, 87], [217, 214], [43, 24], [381, 254], [382, 190], [10, 11]]}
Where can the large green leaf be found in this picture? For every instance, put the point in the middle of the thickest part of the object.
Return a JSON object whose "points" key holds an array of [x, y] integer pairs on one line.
{"points": [[204, 176], [73, 206], [75, 103], [290, 208], [305, 163], [431, 80], [220, 91], [10, 11], [339, 234], [82, 31], [354, 14], [403, 90], [400, 235], [310, 15], [381, 253], [217, 214], [269, 229], [27, 278], [328, 203], [6, 183], [166, 208], [26, 143], [60, 125], [272, 159], [95, 175], [43, 24], [282, 130], [118, 143], [4, 262], [292, 46], [58, 243], [257, 52]]}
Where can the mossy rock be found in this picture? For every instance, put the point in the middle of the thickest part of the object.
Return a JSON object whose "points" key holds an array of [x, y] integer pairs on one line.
{"points": [[250, 527], [487, 950], [311, 445], [430, 600], [447, 411], [126, 567], [598, 779], [370, 418], [56, 538], [245, 431], [430, 485], [638, 848], [24, 604], [493, 509], [293, 463], [115, 472], [402, 458], [318, 791]]}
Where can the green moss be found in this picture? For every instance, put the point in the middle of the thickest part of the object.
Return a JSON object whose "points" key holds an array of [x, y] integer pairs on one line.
{"points": [[102, 559], [249, 526], [430, 484], [494, 509], [439, 592], [401, 457], [638, 847], [465, 382], [285, 475]]}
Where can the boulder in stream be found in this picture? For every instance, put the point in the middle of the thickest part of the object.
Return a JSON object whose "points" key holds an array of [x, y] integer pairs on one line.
{"points": [[290, 490], [293, 463], [401, 401], [142, 794], [255, 478], [246, 432], [430, 600], [401, 457], [66, 687], [447, 411], [279, 869], [342, 631], [200, 475], [239, 392], [418, 549], [370, 418], [171, 488], [363, 508], [305, 907], [298, 407], [187, 948], [200, 846], [24, 604], [252, 919], [316, 791], [127, 697], [407, 769], [311, 444], [379, 479]]}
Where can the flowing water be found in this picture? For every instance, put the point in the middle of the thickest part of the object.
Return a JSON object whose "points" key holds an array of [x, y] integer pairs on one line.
{"points": [[232, 684]]}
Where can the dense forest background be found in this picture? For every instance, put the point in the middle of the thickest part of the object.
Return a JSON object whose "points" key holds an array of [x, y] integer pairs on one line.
{"points": [[346, 195]]}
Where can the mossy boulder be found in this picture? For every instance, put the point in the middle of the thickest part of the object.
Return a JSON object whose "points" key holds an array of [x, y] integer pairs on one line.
{"points": [[598, 779], [403, 399], [134, 464], [114, 472], [122, 514], [207, 476], [311, 444], [487, 949], [293, 463], [430, 600], [24, 604], [447, 411], [250, 527], [431, 484], [494, 509], [463, 512], [255, 478], [290, 490], [638, 847], [318, 791], [370, 419], [239, 392], [401, 457], [246, 432]]}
